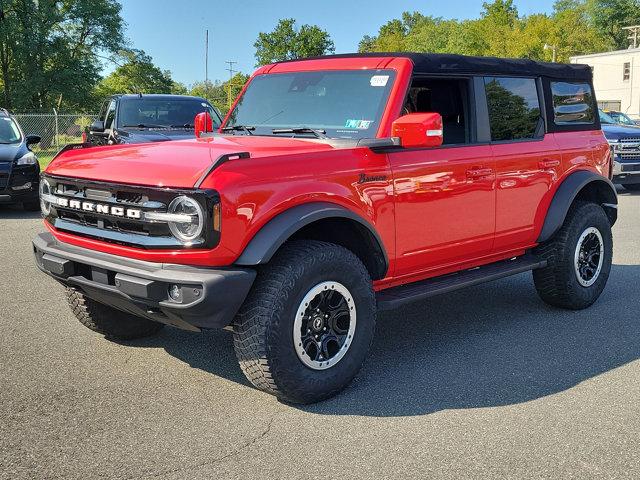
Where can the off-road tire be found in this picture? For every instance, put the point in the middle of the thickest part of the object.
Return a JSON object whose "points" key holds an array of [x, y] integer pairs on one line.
{"points": [[263, 329], [112, 323], [557, 283], [33, 206], [632, 187]]}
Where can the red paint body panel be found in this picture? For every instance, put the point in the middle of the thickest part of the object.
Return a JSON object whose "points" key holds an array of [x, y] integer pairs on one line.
{"points": [[525, 173], [436, 210], [443, 216], [177, 164]]}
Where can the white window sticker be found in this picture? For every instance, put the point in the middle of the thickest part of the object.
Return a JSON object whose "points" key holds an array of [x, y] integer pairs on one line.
{"points": [[379, 80]]}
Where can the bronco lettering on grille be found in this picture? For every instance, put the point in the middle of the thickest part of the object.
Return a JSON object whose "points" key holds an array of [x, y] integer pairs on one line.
{"points": [[85, 206]]}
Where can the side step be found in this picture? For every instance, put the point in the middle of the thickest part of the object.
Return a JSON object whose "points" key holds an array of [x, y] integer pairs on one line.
{"points": [[397, 296]]}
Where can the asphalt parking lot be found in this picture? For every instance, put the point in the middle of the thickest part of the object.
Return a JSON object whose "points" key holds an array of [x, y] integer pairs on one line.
{"points": [[483, 383]]}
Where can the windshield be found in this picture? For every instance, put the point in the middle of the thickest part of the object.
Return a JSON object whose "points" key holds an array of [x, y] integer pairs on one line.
{"points": [[622, 118], [9, 131], [163, 113], [342, 104], [605, 118]]}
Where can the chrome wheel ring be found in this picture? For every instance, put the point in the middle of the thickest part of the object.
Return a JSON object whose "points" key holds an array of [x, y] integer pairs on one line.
{"points": [[589, 257], [324, 325]]}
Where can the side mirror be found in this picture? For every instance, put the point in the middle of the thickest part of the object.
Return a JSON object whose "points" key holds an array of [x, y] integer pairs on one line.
{"points": [[97, 126], [32, 140], [418, 130], [203, 123]]}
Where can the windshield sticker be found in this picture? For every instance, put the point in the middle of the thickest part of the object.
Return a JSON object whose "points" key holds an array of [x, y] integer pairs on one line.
{"points": [[379, 80], [358, 124]]}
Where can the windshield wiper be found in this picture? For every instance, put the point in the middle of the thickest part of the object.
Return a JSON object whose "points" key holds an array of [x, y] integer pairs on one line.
{"points": [[318, 133], [239, 128], [184, 125], [144, 125]]}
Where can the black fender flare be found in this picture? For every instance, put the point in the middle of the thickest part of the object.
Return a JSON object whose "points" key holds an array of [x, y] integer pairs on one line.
{"points": [[279, 229], [567, 192]]}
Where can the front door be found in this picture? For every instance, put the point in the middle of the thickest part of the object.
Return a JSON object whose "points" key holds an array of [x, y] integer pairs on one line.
{"points": [[445, 206]]}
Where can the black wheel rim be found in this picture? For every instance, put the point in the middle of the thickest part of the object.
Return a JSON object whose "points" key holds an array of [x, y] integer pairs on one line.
{"points": [[324, 326], [589, 256]]}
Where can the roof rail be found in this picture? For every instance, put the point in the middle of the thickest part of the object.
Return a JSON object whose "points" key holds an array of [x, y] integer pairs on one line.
{"points": [[5, 111]]}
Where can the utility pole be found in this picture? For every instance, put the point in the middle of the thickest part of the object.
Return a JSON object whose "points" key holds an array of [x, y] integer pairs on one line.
{"points": [[206, 64], [634, 31], [231, 72], [554, 51]]}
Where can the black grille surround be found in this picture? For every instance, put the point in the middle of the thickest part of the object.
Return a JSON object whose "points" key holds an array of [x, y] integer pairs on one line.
{"points": [[121, 230]]}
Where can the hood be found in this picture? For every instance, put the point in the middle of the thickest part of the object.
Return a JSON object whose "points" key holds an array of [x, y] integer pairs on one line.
{"points": [[616, 132], [170, 164], [8, 153], [136, 135]]}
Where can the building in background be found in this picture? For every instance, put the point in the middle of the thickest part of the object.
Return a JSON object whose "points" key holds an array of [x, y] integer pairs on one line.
{"points": [[616, 78]]}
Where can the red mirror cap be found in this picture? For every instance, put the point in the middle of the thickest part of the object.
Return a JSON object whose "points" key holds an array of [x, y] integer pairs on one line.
{"points": [[203, 123], [419, 130]]}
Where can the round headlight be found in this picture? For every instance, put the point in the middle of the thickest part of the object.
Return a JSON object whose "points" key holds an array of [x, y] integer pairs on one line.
{"points": [[45, 191], [186, 232]]}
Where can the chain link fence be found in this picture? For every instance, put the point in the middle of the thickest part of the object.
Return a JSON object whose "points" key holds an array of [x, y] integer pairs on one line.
{"points": [[55, 129]]}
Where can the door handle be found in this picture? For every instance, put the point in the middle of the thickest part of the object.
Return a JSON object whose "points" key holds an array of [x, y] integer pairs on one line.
{"points": [[546, 164], [475, 173]]}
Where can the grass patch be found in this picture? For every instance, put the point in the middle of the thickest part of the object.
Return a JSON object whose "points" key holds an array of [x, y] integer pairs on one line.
{"points": [[45, 158]]}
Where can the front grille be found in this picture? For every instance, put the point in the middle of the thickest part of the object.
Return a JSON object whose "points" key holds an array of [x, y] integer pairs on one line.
{"points": [[116, 213], [628, 149], [5, 169], [629, 156]]}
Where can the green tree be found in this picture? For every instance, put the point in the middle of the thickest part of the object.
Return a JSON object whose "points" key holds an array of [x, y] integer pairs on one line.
{"points": [[219, 93], [50, 50], [501, 31], [392, 35], [609, 16], [286, 42], [138, 75]]}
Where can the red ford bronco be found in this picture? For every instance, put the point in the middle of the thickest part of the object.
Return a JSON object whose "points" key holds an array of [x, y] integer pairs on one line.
{"points": [[336, 187]]}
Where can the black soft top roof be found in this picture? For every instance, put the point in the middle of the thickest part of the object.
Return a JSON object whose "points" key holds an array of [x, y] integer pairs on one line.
{"points": [[439, 63]]}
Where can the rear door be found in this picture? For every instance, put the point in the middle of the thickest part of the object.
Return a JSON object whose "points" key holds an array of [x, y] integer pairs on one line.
{"points": [[527, 160]]}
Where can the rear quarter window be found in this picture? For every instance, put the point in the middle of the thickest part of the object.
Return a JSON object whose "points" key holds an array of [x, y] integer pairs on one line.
{"points": [[573, 103]]}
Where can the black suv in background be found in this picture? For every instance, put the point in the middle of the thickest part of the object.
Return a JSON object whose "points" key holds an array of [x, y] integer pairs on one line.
{"points": [[19, 167], [148, 118]]}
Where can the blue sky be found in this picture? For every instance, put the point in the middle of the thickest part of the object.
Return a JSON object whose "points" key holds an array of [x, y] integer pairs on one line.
{"points": [[173, 32]]}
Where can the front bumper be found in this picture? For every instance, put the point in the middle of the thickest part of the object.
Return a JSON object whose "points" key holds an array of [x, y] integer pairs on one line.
{"points": [[11, 195], [19, 184], [626, 172], [208, 298]]}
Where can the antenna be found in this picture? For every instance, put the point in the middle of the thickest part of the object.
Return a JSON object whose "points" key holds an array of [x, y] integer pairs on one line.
{"points": [[206, 63]]}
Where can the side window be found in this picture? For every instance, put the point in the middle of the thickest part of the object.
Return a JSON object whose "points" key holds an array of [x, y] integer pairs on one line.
{"points": [[111, 115], [626, 71], [514, 108], [572, 103], [214, 117], [103, 110], [449, 98]]}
